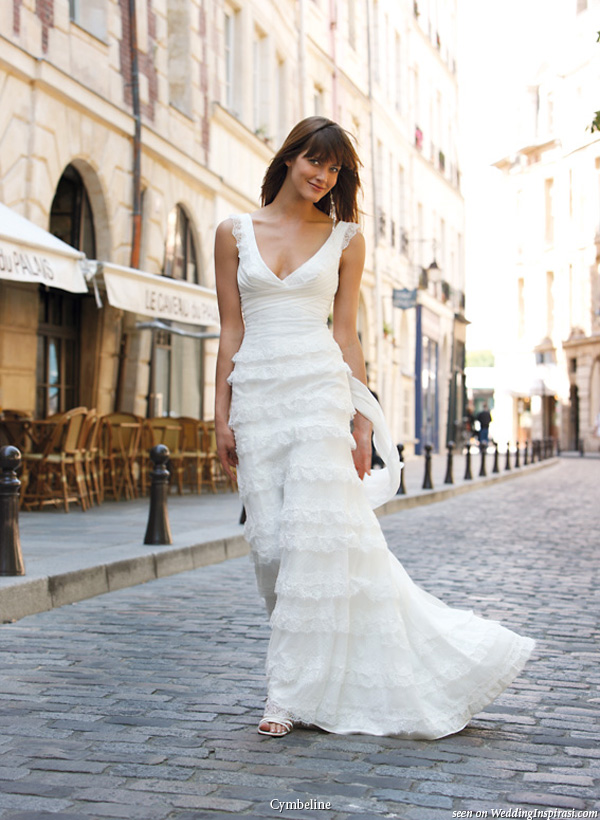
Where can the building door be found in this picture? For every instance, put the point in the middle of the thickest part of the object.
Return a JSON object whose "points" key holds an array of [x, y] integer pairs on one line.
{"points": [[57, 383], [59, 353], [429, 384]]}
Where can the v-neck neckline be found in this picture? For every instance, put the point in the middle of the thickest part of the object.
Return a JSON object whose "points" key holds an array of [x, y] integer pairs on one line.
{"points": [[306, 261]]}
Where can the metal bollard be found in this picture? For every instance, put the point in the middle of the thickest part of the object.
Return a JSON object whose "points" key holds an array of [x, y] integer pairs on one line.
{"points": [[482, 452], [243, 516], [507, 465], [496, 467], [517, 456], [526, 454], [581, 448], [427, 480], [449, 471], [11, 559], [468, 473], [158, 530], [402, 487]]}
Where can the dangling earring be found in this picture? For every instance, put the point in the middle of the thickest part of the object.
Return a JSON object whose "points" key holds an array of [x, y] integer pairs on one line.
{"points": [[332, 213]]}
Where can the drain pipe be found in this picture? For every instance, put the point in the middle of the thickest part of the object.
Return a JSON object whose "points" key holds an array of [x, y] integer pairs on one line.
{"points": [[137, 140], [376, 272]]}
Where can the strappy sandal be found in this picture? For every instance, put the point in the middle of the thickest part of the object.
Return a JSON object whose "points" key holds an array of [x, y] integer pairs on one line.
{"points": [[280, 720]]}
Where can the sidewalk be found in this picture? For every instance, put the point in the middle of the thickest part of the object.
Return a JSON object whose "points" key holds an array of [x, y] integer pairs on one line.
{"points": [[72, 557]]}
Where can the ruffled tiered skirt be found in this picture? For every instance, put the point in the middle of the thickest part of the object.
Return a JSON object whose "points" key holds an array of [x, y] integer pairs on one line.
{"points": [[355, 646]]}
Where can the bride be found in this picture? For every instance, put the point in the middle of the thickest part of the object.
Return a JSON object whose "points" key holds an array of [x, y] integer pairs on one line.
{"points": [[355, 645]]}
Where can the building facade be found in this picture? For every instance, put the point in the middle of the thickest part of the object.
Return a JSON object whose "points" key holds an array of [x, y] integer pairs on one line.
{"points": [[548, 364], [130, 128]]}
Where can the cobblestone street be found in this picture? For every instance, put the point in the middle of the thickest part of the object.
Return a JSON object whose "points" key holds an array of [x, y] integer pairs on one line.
{"points": [[143, 703]]}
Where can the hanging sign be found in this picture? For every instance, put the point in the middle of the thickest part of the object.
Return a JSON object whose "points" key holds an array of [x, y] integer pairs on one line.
{"points": [[404, 298]]}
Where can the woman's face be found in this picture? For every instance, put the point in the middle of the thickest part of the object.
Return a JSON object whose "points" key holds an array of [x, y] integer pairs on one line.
{"points": [[311, 177]]}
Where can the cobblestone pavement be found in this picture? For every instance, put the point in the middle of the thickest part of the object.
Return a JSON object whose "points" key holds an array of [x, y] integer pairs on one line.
{"points": [[143, 703]]}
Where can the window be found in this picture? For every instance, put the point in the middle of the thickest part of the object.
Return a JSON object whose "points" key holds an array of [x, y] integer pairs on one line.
{"points": [[549, 303], [71, 217], [57, 366], [376, 43], [403, 234], [260, 118], [398, 72], [176, 376], [178, 29], [549, 209], [318, 101], [280, 99], [521, 307], [352, 23], [180, 250], [232, 54], [90, 15]]}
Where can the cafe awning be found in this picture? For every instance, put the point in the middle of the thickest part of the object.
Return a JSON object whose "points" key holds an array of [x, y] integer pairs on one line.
{"points": [[28, 253], [161, 297]]}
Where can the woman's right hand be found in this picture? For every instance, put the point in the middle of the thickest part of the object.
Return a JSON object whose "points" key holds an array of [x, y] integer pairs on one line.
{"points": [[226, 450]]}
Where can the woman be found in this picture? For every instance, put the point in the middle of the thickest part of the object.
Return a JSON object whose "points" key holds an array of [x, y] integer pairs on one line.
{"points": [[355, 646]]}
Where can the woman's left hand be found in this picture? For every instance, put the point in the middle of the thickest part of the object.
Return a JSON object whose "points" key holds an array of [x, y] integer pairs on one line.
{"points": [[361, 432]]}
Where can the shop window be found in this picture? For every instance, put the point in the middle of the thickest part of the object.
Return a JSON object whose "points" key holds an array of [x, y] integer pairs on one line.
{"points": [[71, 217], [57, 386], [177, 378], [180, 249], [90, 15]]}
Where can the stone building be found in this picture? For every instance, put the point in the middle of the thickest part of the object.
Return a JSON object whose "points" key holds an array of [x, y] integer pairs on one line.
{"points": [[548, 363], [131, 142]]}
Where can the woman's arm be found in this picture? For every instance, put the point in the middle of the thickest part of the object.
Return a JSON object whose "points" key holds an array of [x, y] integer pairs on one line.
{"points": [[345, 311], [232, 333]]}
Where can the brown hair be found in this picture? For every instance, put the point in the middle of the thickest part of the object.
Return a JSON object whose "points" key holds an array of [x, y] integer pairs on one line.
{"points": [[324, 140]]}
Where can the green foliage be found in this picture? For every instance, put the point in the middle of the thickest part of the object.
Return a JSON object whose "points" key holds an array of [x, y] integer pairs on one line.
{"points": [[480, 358]]}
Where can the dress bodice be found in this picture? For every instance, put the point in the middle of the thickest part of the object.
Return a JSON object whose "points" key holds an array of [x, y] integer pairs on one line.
{"points": [[297, 304]]}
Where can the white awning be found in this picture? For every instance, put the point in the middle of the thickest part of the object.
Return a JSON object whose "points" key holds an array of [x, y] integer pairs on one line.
{"points": [[152, 295], [28, 253]]}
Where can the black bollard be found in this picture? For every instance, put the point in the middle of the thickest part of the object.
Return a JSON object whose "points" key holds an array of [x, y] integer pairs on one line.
{"points": [[517, 456], [427, 480], [482, 452], [158, 530], [402, 487], [11, 560], [507, 465], [468, 473], [449, 471], [526, 454], [243, 516], [496, 467], [534, 451], [557, 446]]}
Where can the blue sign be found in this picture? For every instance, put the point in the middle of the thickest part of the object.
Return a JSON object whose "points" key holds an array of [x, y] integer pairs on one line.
{"points": [[404, 298]]}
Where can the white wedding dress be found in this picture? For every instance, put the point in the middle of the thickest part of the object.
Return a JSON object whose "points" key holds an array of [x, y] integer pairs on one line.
{"points": [[355, 646]]}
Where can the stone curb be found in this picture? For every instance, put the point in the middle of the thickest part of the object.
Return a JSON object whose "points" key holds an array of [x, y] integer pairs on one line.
{"points": [[27, 597]]}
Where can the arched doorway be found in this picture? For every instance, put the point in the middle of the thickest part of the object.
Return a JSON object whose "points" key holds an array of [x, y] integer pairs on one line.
{"points": [[58, 364], [177, 359]]}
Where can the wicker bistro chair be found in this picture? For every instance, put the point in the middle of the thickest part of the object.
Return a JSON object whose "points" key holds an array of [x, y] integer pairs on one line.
{"points": [[165, 431], [13, 428], [55, 475], [91, 457], [214, 474], [119, 445], [194, 457]]}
